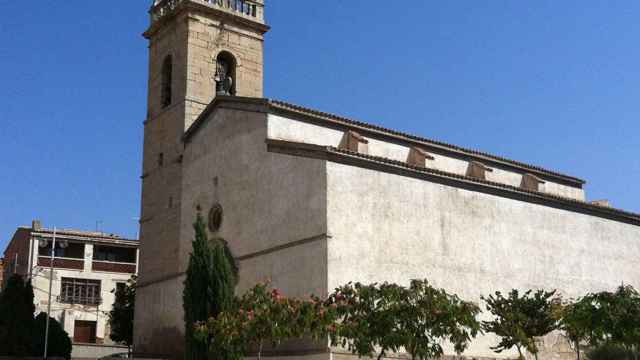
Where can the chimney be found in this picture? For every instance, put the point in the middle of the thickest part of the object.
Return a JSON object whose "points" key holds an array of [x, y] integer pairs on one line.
{"points": [[36, 225]]}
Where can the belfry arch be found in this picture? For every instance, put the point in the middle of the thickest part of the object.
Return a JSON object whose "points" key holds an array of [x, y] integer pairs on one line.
{"points": [[225, 77]]}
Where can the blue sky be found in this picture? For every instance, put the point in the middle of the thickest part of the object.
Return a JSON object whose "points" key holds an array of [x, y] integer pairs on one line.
{"points": [[555, 84]]}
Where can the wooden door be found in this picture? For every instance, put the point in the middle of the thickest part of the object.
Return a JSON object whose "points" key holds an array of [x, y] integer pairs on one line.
{"points": [[84, 332]]}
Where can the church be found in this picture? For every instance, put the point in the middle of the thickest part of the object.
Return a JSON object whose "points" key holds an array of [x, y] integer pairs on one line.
{"points": [[313, 200]]}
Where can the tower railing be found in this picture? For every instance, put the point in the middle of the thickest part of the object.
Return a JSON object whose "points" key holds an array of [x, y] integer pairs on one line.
{"points": [[249, 8]]}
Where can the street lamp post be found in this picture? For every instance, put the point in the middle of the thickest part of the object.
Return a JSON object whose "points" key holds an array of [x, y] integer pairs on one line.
{"points": [[52, 258]]}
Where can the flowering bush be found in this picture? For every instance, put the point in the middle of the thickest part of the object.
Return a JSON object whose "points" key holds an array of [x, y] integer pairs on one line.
{"points": [[264, 316]]}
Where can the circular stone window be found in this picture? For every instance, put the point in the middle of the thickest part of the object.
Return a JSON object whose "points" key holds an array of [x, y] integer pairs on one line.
{"points": [[215, 217]]}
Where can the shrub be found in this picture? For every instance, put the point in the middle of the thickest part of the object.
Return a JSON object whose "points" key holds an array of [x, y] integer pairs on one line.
{"points": [[612, 352]]}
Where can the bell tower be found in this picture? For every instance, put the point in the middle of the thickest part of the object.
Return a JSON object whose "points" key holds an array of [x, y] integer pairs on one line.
{"points": [[198, 49]]}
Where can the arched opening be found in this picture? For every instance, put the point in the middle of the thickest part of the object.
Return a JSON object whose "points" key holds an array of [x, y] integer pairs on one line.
{"points": [[167, 75], [226, 79]]}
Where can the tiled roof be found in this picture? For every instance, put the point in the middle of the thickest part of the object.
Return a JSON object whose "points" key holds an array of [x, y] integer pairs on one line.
{"points": [[309, 149], [281, 106], [475, 153], [84, 234]]}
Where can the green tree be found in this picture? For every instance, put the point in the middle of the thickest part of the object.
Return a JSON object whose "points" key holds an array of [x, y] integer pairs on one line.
{"points": [[431, 316], [208, 288], [122, 312], [578, 322], [368, 318], [16, 318], [618, 318], [519, 320], [377, 319], [59, 342]]}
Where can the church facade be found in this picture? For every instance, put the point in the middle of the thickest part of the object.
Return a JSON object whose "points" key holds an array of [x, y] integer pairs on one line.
{"points": [[313, 200]]}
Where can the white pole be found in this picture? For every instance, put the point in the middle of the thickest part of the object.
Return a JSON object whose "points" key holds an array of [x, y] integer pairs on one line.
{"points": [[53, 255]]}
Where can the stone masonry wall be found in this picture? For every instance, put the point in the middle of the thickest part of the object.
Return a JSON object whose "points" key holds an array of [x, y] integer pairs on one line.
{"points": [[207, 38]]}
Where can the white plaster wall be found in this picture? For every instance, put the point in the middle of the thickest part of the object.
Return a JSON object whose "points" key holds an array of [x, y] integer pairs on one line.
{"points": [[282, 128], [388, 227]]}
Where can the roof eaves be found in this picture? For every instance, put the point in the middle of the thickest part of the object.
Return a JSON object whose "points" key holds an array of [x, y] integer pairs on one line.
{"points": [[322, 152], [280, 105]]}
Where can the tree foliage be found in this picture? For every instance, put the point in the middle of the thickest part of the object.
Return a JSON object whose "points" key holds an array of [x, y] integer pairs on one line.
{"points": [[612, 352], [433, 315], [377, 319], [578, 322], [59, 343], [617, 318], [264, 316], [16, 318], [122, 312], [519, 320], [368, 317], [208, 288]]}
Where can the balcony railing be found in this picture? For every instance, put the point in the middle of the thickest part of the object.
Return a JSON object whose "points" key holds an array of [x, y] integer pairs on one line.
{"points": [[61, 263], [79, 300], [243, 7], [117, 267]]}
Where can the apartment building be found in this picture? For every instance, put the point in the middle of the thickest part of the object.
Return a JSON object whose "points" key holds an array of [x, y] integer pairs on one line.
{"points": [[86, 269]]}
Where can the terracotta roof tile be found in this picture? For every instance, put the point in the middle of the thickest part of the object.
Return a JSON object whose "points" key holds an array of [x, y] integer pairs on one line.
{"points": [[276, 105], [303, 110]]}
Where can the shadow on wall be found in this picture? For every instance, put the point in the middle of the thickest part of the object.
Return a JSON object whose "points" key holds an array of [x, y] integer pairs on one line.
{"points": [[165, 343]]}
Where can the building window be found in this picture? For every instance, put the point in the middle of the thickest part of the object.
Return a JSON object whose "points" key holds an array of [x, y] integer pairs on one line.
{"points": [[80, 291], [225, 74], [64, 249], [167, 75], [114, 254], [84, 332], [161, 159]]}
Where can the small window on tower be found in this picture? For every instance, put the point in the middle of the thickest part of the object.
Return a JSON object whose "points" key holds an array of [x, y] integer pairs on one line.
{"points": [[167, 74], [161, 159]]}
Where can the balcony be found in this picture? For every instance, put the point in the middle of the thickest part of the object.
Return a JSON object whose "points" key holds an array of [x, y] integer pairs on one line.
{"points": [[115, 267], [245, 8], [79, 300], [61, 263]]}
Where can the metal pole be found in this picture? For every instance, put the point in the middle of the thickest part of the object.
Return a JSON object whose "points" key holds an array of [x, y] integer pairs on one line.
{"points": [[53, 255]]}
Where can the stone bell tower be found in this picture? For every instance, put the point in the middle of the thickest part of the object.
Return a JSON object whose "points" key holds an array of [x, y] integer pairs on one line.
{"points": [[198, 49]]}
